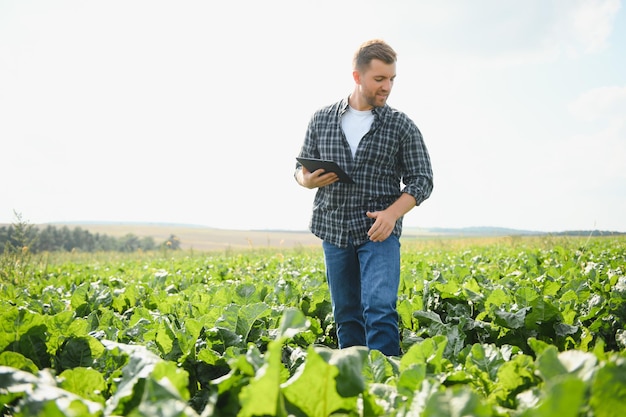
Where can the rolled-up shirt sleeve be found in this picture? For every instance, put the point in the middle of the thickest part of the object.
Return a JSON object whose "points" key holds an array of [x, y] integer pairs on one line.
{"points": [[417, 173]]}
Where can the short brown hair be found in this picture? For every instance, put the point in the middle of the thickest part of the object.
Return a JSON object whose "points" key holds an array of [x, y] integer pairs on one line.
{"points": [[373, 49]]}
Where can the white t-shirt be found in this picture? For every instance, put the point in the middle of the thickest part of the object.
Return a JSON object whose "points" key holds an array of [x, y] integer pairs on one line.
{"points": [[355, 124]]}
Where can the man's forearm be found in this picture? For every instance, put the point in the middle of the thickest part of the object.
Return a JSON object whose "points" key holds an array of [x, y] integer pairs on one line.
{"points": [[402, 205]]}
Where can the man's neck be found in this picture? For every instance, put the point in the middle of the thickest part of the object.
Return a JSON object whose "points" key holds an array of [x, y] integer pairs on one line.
{"points": [[356, 103]]}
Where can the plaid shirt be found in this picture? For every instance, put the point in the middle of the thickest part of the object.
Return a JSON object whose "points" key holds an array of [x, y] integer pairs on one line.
{"points": [[392, 152]]}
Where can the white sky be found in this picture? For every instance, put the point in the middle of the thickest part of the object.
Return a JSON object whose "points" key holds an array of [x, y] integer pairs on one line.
{"points": [[193, 111]]}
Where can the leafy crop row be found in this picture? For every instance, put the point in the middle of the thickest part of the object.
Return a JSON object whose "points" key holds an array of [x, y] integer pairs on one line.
{"points": [[524, 328]]}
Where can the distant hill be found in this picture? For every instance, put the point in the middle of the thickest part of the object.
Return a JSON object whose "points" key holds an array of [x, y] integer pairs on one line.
{"points": [[479, 231], [503, 231]]}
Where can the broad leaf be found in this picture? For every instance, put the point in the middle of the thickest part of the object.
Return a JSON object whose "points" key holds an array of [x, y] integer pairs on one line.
{"points": [[313, 390]]}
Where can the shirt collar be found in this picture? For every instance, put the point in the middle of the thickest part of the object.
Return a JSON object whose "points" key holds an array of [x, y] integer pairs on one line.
{"points": [[378, 111]]}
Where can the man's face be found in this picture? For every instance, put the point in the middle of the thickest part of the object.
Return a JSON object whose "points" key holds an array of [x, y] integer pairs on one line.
{"points": [[376, 82]]}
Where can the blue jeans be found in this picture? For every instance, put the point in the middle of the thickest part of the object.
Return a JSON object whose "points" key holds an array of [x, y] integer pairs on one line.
{"points": [[363, 282]]}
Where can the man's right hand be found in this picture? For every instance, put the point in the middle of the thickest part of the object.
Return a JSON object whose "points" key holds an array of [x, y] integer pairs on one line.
{"points": [[316, 179]]}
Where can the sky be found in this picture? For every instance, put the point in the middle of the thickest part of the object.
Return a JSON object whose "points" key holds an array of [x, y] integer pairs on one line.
{"points": [[193, 112]]}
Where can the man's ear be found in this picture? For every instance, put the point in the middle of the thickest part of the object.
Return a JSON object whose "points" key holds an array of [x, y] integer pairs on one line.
{"points": [[357, 76]]}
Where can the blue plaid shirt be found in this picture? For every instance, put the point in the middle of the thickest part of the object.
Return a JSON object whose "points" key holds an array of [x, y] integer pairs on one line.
{"points": [[392, 153]]}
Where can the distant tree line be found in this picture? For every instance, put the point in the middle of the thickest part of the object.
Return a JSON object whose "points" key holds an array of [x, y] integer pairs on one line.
{"points": [[64, 239]]}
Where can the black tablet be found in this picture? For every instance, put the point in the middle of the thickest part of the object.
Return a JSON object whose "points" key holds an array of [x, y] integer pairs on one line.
{"points": [[328, 166]]}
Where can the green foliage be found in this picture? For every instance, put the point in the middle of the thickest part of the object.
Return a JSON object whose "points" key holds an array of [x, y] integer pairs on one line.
{"points": [[16, 251], [22, 237], [530, 328]]}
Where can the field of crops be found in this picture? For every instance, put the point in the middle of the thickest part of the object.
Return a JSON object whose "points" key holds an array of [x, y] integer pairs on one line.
{"points": [[511, 327]]}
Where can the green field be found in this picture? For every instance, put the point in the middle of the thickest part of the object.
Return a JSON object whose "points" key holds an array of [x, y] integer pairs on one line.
{"points": [[515, 326]]}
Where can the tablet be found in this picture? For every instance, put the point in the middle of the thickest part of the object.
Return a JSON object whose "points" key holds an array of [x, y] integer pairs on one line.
{"points": [[328, 166]]}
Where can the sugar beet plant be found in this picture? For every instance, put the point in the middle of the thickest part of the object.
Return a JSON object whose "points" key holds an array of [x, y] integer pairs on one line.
{"points": [[512, 328]]}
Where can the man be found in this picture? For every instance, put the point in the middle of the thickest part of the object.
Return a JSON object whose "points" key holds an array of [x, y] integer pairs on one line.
{"points": [[360, 224]]}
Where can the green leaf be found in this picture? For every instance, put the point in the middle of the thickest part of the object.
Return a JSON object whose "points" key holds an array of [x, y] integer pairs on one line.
{"points": [[473, 290], [79, 297], [497, 298], [525, 296], [240, 319], [486, 358], [313, 389], [166, 339], [381, 368], [541, 312], [405, 312], [449, 289], [429, 352], [188, 335], [129, 390], [515, 320], [371, 407], [564, 397], [43, 397], [548, 364], [411, 378], [61, 407], [563, 330], [427, 317], [538, 346], [514, 376], [24, 332], [293, 321], [262, 397], [63, 325], [608, 390], [349, 361], [85, 382], [159, 398], [17, 361], [456, 401], [244, 293], [78, 351], [178, 378]]}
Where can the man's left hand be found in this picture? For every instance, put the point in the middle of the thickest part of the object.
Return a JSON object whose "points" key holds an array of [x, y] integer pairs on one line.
{"points": [[382, 227]]}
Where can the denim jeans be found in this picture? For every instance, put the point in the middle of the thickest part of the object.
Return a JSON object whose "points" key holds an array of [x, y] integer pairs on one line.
{"points": [[363, 282]]}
